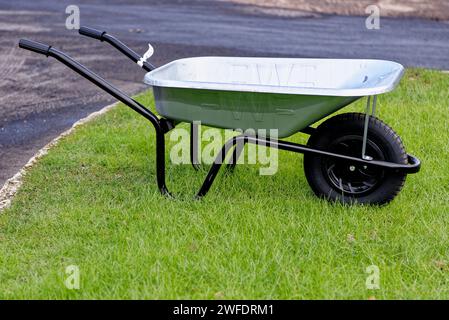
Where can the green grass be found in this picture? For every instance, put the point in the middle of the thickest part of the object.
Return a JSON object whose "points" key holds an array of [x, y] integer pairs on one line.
{"points": [[93, 202]]}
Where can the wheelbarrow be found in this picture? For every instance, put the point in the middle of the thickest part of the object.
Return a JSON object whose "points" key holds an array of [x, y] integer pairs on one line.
{"points": [[349, 158]]}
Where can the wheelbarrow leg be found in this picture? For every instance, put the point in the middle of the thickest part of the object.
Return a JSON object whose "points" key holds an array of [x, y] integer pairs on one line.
{"points": [[160, 163], [194, 144], [194, 130], [236, 154], [212, 174]]}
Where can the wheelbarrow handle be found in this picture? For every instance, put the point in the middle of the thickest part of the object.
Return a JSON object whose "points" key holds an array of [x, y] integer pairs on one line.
{"points": [[116, 43], [92, 33], [34, 46], [49, 51]]}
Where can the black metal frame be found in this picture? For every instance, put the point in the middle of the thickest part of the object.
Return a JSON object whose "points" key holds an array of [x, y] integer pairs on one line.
{"points": [[162, 125]]}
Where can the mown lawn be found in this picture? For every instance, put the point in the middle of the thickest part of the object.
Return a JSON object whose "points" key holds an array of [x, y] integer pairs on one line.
{"points": [[93, 202]]}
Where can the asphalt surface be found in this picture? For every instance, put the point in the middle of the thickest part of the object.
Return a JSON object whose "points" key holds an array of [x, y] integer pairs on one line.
{"points": [[40, 98]]}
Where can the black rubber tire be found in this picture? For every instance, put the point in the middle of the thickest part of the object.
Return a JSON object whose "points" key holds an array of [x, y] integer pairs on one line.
{"points": [[382, 141]]}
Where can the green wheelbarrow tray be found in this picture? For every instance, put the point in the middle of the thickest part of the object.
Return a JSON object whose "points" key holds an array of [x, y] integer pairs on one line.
{"points": [[265, 93]]}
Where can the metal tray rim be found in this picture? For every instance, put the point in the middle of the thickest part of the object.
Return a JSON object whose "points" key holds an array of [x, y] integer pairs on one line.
{"points": [[152, 79]]}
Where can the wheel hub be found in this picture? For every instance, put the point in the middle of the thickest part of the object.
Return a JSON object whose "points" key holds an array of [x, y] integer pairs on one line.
{"points": [[353, 178]]}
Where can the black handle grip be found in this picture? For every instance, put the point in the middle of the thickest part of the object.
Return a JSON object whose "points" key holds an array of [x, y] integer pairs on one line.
{"points": [[93, 33], [34, 46]]}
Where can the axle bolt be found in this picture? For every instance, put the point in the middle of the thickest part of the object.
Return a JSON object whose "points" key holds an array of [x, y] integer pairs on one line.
{"points": [[351, 168]]}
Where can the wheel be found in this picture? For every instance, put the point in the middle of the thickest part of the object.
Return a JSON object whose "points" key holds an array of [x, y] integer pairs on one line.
{"points": [[346, 182]]}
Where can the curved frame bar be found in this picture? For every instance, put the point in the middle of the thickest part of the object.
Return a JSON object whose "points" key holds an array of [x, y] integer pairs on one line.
{"points": [[413, 166]]}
